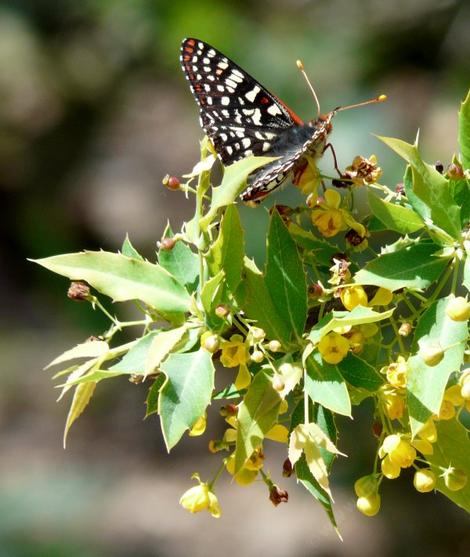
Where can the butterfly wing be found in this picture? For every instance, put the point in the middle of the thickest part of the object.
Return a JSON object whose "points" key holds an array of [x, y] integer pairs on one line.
{"points": [[240, 116]]}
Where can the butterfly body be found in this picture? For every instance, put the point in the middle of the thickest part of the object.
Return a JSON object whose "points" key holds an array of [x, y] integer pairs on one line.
{"points": [[243, 118]]}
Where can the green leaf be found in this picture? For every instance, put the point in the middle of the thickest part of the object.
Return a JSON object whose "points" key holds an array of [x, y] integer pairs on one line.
{"points": [[88, 349], [122, 278], [430, 186], [395, 217], [256, 416], [233, 183], [466, 272], [81, 398], [255, 299], [285, 276], [464, 131], [186, 393], [325, 385], [411, 267], [163, 343], [181, 262], [228, 250], [358, 316], [212, 291], [134, 360], [151, 401], [360, 374], [426, 384], [321, 250], [129, 250], [452, 448], [419, 206]]}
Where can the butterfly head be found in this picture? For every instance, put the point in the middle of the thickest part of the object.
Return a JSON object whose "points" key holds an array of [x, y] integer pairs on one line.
{"points": [[323, 122]]}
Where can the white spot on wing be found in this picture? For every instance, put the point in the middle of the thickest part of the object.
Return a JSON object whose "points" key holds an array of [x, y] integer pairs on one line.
{"points": [[225, 101], [251, 95], [274, 110]]}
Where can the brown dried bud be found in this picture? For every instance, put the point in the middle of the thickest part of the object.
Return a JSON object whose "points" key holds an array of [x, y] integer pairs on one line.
{"points": [[278, 495], [222, 311], [377, 428], [171, 182], [166, 244], [405, 329], [439, 167], [400, 188], [229, 410], [79, 291], [283, 210], [455, 172], [353, 238], [287, 468], [315, 290]]}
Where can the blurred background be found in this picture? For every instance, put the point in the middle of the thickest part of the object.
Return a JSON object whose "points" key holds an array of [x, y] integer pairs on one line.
{"points": [[94, 111]]}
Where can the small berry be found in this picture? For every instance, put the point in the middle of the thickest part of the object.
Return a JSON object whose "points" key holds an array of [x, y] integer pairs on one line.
{"points": [[171, 182]]}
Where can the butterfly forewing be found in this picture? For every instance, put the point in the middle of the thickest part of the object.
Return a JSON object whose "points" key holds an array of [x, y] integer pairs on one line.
{"points": [[240, 115]]}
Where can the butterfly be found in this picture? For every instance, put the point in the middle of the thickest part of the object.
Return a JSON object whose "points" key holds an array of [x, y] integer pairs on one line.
{"points": [[243, 118]]}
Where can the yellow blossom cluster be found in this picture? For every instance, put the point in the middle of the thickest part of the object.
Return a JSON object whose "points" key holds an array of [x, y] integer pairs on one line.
{"points": [[330, 218]]}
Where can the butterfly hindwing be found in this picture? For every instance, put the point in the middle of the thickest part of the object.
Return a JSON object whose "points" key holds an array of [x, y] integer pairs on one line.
{"points": [[240, 115]]}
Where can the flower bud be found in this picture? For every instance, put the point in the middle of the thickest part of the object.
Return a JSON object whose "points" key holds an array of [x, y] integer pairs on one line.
{"points": [[171, 182], [366, 486], [432, 354], [424, 480], [278, 495], [353, 296], [210, 342], [228, 410], [455, 479], [405, 329], [278, 383], [455, 172], [166, 244], [274, 346], [257, 356], [287, 468], [315, 290], [377, 428], [222, 311], [258, 334], [199, 427], [79, 291], [390, 468], [400, 188], [369, 506], [458, 309], [465, 388]]}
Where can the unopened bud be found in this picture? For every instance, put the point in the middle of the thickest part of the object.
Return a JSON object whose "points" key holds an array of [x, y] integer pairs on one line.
{"points": [[166, 244], [274, 346], [400, 188], [458, 309], [432, 354], [222, 311], [278, 383], [315, 290], [258, 334], [210, 342], [287, 468], [405, 329], [79, 291], [257, 356], [455, 479], [353, 238], [377, 428], [278, 495], [228, 410], [171, 182], [455, 172]]}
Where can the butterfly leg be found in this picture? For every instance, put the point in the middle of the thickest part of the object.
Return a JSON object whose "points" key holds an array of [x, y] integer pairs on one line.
{"points": [[330, 146]]}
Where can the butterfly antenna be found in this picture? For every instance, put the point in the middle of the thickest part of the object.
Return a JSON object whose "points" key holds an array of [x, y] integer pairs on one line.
{"points": [[379, 99], [300, 65]]}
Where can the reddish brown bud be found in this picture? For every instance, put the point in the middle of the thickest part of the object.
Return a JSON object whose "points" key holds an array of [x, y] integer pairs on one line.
{"points": [[79, 291], [166, 244], [353, 238], [405, 329], [455, 172], [222, 311], [278, 495], [229, 410], [287, 468], [400, 188], [377, 428], [171, 182], [315, 290]]}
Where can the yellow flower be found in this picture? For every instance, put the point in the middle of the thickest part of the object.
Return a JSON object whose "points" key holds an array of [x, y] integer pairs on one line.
{"points": [[353, 296], [327, 216], [200, 498], [308, 179], [390, 469], [246, 475], [363, 171], [382, 297], [447, 410], [453, 394], [398, 449], [340, 272], [199, 427], [356, 340], [393, 402], [333, 348], [234, 352], [397, 373], [428, 431], [243, 378]]}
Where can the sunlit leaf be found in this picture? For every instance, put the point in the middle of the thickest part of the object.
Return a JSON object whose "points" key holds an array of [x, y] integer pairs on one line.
{"points": [[464, 131], [81, 398]]}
